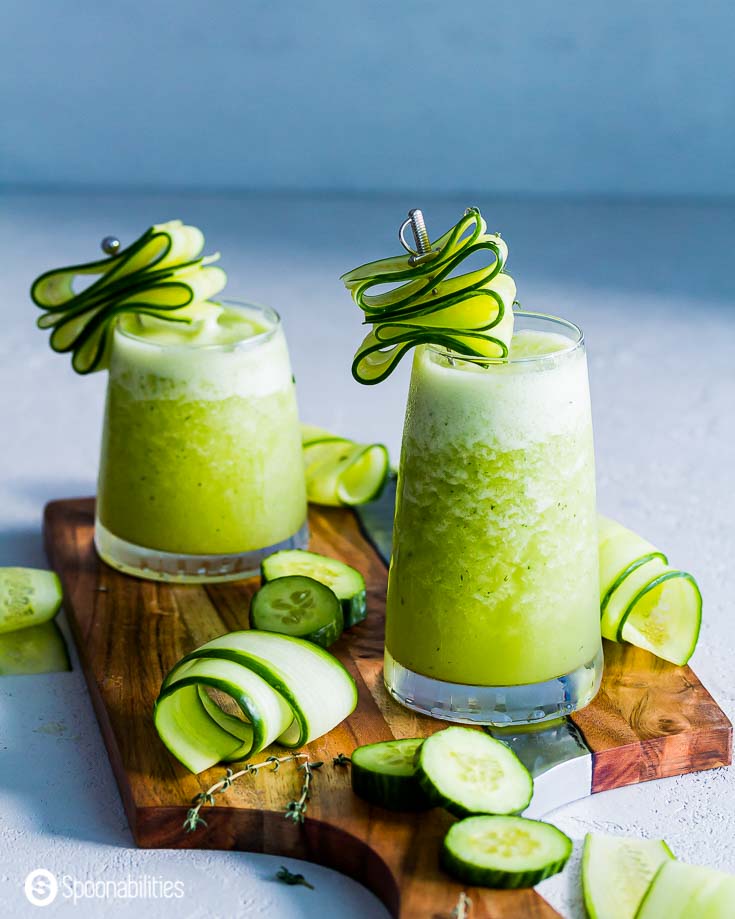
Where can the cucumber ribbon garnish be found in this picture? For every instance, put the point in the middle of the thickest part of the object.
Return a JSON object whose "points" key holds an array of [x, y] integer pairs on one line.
{"points": [[470, 313], [162, 274]]}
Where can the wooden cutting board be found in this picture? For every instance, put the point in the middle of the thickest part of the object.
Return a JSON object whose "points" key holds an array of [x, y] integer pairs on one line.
{"points": [[650, 720]]}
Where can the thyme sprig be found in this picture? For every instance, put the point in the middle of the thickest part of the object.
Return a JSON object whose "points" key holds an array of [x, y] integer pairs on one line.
{"points": [[194, 818], [463, 908], [283, 874], [341, 759], [296, 810]]}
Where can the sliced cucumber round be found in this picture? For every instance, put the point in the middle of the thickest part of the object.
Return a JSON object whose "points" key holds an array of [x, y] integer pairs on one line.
{"points": [[680, 891], [616, 872], [340, 471], [469, 772], [504, 852], [28, 596], [665, 616], [347, 583], [299, 606], [385, 774], [37, 649]]}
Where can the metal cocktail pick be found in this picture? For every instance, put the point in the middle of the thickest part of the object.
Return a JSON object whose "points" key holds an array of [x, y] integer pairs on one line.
{"points": [[110, 245], [423, 251]]}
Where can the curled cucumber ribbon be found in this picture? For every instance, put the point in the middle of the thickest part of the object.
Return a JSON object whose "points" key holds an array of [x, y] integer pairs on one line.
{"points": [[430, 303], [162, 274]]}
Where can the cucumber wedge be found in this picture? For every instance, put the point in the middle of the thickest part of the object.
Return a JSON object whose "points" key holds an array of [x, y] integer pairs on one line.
{"points": [[665, 617], [432, 301], [347, 583], [341, 472], [37, 649], [680, 891], [316, 686], [468, 772], [299, 606], [504, 852], [385, 774], [616, 872], [28, 596]]}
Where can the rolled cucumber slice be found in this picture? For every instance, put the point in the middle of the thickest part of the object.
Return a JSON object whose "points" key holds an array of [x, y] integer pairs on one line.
{"points": [[680, 891], [385, 774], [340, 471], [316, 686], [185, 724], [618, 602], [504, 852], [36, 649], [621, 551], [616, 872], [28, 596], [665, 616], [347, 583], [299, 606], [468, 772]]}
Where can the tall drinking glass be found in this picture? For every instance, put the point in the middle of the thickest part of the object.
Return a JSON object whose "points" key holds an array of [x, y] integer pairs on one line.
{"points": [[493, 597], [201, 473]]}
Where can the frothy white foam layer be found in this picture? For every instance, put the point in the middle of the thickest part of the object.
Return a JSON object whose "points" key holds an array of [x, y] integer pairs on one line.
{"points": [[231, 351], [506, 405]]}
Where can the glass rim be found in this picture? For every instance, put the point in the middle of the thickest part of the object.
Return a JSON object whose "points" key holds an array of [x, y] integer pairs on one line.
{"points": [[575, 343], [267, 312]]}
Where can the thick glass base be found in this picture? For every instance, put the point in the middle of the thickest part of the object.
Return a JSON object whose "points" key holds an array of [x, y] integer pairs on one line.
{"points": [[501, 706], [155, 565]]}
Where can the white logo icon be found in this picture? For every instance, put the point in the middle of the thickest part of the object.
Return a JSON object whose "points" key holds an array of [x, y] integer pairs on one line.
{"points": [[41, 887]]}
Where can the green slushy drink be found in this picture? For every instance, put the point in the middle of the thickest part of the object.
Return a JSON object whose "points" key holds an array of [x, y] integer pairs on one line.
{"points": [[201, 464], [494, 578]]}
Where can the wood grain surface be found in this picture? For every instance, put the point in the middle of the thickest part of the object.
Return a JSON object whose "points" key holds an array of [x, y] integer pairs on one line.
{"points": [[650, 720]]}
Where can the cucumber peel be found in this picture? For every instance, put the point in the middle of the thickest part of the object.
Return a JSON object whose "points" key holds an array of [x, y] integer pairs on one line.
{"points": [[161, 274], [341, 472], [680, 891], [643, 600], [504, 852], [470, 313], [28, 597], [616, 872]]}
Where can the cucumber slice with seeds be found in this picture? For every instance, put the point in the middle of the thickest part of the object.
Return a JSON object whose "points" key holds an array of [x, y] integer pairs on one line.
{"points": [[347, 583], [38, 649], [28, 596], [616, 872], [680, 891], [385, 774], [504, 852], [469, 772], [298, 606]]}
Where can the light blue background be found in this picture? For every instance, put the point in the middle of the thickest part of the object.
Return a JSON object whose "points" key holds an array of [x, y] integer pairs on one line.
{"points": [[527, 96]]}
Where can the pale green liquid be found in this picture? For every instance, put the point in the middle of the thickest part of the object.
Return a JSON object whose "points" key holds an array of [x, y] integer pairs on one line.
{"points": [[201, 450], [494, 575]]}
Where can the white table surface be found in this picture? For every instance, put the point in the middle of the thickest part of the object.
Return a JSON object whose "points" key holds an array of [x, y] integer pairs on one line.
{"points": [[652, 286]]}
